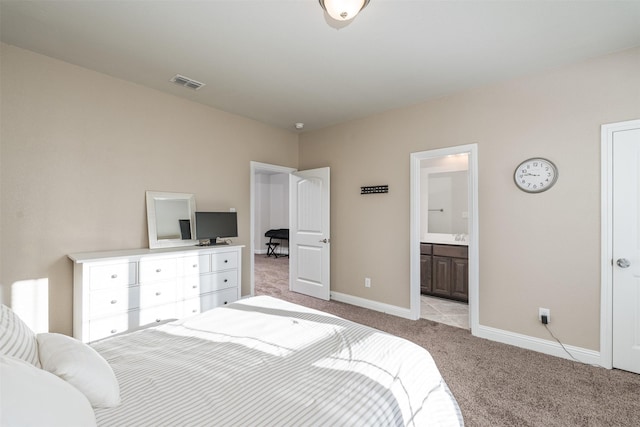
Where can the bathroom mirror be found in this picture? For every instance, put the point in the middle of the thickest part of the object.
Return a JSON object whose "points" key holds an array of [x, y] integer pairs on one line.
{"points": [[171, 219], [444, 200], [447, 202]]}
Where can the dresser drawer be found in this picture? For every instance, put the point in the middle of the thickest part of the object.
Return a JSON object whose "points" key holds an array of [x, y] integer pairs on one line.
{"points": [[152, 270], [217, 281], [196, 264], [224, 261], [103, 276], [112, 325], [208, 301], [190, 287], [191, 306], [114, 300], [158, 314], [152, 294], [215, 299]]}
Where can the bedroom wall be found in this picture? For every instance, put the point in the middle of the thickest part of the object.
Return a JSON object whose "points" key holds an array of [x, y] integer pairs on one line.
{"points": [[540, 250], [78, 151]]}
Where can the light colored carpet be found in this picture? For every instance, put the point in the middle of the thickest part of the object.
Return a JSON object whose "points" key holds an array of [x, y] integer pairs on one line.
{"points": [[495, 384]]}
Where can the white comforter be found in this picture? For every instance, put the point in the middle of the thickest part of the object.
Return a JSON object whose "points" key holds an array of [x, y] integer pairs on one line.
{"points": [[266, 362]]}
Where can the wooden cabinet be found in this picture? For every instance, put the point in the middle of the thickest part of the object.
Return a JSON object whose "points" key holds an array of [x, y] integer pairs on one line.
{"points": [[118, 291], [426, 260], [444, 271]]}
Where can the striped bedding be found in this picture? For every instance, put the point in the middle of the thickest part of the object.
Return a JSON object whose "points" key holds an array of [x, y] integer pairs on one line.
{"points": [[266, 362]]}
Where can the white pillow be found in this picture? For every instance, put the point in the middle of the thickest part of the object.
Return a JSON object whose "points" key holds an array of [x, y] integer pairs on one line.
{"points": [[16, 339], [81, 366], [30, 396]]}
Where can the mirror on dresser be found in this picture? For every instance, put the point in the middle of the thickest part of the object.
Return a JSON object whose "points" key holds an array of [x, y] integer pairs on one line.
{"points": [[171, 219]]}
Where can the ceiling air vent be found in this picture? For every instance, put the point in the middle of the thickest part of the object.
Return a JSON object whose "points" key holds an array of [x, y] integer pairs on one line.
{"points": [[186, 82]]}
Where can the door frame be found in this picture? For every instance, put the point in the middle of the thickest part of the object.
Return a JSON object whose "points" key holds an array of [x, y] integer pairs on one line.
{"points": [[606, 239], [414, 236], [256, 168]]}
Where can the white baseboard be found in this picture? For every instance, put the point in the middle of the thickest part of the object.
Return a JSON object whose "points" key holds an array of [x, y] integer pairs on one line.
{"points": [[552, 348], [549, 347], [372, 305]]}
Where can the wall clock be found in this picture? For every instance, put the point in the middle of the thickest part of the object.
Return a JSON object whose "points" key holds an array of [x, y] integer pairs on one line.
{"points": [[535, 175]]}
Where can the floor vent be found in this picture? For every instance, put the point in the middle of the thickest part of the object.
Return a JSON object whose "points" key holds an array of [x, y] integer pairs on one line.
{"points": [[186, 82]]}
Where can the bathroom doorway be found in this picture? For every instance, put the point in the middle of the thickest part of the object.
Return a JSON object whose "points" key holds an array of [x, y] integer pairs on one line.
{"points": [[444, 238], [444, 235]]}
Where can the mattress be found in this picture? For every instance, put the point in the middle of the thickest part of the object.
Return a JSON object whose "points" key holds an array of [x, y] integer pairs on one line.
{"points": [[266, 362]]}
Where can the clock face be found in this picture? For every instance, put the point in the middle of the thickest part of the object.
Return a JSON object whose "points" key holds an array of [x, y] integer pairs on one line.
{"points": [[535, 175]]}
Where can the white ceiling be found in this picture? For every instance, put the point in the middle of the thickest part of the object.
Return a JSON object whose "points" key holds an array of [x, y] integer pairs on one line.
{"points": [[282, 62]]}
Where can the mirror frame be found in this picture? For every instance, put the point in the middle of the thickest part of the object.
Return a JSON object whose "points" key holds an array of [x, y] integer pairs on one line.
{"points": [[152, 197]]}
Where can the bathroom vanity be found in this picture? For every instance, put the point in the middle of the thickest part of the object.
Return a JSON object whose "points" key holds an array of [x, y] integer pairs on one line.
{"points": [[444, 271]]}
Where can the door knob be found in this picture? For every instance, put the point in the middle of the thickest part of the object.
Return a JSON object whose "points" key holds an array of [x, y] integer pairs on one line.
{"points": [[623, 263], [324, 241]]}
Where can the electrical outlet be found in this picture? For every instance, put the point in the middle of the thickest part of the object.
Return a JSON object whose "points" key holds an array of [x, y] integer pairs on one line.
{"points": [[544, 312], [367, 282]]}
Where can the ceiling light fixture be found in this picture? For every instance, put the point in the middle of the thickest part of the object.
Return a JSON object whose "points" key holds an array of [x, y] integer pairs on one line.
{"points": [[343, 10]]}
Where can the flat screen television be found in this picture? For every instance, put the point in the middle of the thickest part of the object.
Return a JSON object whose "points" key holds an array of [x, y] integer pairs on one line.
{"points": [[213, 225]]}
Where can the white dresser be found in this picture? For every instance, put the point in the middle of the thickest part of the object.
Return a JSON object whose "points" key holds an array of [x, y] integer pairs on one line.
{"points": [[117, 291]]}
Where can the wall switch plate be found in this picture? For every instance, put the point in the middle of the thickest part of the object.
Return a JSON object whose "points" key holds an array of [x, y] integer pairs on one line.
{"points": [[367, 282]]}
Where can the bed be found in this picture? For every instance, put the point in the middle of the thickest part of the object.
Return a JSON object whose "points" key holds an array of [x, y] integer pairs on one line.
{"points": [[262, 361]]}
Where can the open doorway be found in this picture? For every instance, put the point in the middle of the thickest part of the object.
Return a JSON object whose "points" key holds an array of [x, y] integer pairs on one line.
{"points": [[298, 200], [269, 211], [444, 235]]}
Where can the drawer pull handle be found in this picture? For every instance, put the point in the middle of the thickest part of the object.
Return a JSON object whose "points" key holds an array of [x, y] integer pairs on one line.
{"points": [[158, 270], [114, 301], [226, 280], [226, 261], [158, 294], [195, 286], [114, 276], [113, 331], [225, 303], [158, 320], [195, 265]]}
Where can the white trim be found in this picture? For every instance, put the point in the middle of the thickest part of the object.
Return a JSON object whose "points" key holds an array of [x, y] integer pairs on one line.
{"points": [[414, 236], [552, 348], [506, 337], [256, 167], [372, 305], [606, 237]]}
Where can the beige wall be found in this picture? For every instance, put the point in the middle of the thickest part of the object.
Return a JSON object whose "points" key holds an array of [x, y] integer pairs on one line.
{"points": [[540, 250], [78, 151]]}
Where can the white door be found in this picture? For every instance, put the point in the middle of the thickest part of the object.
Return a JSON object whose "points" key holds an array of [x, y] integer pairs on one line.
{"points": [[309, 232], [626, 249]]}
